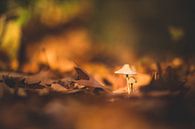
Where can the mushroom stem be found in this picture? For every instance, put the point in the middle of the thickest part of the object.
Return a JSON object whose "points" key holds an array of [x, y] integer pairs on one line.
{"points": [[129, 87], [132, 89]]}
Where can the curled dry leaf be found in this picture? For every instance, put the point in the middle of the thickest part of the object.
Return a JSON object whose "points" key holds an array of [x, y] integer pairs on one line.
{"points": [[87, 80]]}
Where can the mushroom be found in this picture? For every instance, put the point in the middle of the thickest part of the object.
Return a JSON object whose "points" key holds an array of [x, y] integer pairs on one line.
{"points": [[129, 73]]}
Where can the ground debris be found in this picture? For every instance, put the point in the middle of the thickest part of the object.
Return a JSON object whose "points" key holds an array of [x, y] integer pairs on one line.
{"points": [[46, 82], [166, 82]]}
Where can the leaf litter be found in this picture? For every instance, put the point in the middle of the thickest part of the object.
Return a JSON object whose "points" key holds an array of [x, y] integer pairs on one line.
{"points": [[47, 81]]}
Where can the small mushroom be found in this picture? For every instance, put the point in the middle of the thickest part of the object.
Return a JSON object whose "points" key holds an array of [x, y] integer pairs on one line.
{"points": [[129, 73]]}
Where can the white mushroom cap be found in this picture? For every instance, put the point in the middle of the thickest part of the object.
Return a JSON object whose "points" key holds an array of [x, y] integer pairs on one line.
{"points": [[126, 70]]}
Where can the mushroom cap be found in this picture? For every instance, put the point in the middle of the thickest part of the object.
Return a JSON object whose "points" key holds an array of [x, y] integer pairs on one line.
{"points": [[126, 70]]}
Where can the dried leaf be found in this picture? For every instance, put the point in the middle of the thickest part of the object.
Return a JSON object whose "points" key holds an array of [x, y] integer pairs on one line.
{"points": [[41, 76], [35, 85], [58, 88], [13, 82], [82, 75], [87, 80]]}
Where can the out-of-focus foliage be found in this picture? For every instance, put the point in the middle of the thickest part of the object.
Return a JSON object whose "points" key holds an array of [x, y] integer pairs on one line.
{"points": [[14, 15], [177, 33], [10, 37], [54, 12], [11, 21], [119, 29]]}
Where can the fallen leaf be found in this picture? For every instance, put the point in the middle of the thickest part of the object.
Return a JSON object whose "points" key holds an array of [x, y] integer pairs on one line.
{"points": [[87, 80], [82, 75], [41, 76], [13, 82], [58, 88]]}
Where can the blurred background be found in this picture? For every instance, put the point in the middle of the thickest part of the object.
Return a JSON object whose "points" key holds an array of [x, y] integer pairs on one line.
{"points": [[38, 33]]}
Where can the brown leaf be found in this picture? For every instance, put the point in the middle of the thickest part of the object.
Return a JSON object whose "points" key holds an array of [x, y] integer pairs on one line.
{"points": [[13, 82], [58, 88], [87, 80], [41, 76], [82, 75]]}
